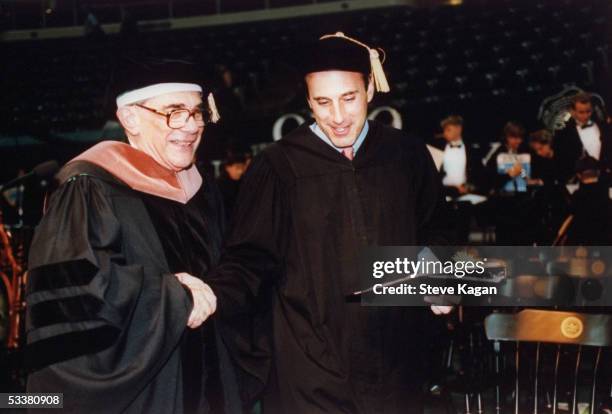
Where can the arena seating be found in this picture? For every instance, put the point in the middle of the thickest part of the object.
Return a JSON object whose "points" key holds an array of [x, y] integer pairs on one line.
{"points": [[489, 64]]}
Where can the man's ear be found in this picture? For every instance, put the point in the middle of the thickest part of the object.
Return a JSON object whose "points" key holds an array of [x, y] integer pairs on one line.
{"points": [[370, 90], [307, 92], [129, 119]]}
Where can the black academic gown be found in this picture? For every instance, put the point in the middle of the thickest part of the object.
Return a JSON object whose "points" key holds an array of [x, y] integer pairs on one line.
{"points": [[303, 214], [106, 320]]}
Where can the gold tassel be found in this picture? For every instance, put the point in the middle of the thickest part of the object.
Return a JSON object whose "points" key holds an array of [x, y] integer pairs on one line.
{"points": [[214, 112], [380, 79]]}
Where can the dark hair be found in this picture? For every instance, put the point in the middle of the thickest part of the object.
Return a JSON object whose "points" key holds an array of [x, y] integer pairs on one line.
{"points": [[514, 129], [541, 136], [232, 159], [451, 120], [582, 97], [237, 153]]}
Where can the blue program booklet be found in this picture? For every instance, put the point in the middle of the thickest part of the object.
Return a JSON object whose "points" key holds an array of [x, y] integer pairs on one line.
{"points": [[505, 161]]}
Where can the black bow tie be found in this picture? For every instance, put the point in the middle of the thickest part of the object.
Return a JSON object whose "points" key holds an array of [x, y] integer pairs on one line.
{"points": [[587, 125], [455, 145]]}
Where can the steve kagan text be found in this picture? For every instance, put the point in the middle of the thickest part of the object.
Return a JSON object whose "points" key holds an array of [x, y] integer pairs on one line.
{"points": [[427, 289]]}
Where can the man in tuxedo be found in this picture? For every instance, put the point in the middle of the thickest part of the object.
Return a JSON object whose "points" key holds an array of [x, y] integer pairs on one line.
{"points": [[583, 136], [461, 172]]}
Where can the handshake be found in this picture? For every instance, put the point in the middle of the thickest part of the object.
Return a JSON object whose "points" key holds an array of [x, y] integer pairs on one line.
{"points": [[204, 300]]}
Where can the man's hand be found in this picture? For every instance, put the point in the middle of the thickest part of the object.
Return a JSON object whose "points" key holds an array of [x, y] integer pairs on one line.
{"points": [[516, 170], [204, 300], [441, 310], [535, 181], [462, 189]]}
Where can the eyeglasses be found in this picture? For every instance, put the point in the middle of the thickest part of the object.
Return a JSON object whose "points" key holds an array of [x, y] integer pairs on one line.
{"points": [[178, 118]]}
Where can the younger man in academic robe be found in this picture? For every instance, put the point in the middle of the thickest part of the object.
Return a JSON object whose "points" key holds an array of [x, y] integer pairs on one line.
{"points": [[308, 205], [115, 305]]}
